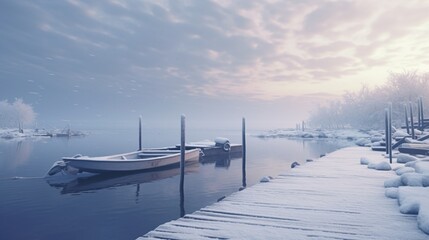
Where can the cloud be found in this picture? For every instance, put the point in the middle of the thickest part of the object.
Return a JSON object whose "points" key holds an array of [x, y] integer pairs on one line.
{"points": [[174, 51]]}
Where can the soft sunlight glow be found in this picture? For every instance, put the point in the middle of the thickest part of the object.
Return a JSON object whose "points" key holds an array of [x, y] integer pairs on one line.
{"points": [[154, 55]]}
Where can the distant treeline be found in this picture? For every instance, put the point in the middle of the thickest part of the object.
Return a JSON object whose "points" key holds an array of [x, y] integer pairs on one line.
{"points": [[365, 109]]}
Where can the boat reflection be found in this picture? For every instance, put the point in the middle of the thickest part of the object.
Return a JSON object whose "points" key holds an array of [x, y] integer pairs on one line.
{"points": [[222, 160], [90, 182]]}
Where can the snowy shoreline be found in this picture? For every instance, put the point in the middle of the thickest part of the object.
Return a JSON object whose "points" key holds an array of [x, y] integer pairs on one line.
{"points": [[16, 134], [349, 134], [367, 138]]}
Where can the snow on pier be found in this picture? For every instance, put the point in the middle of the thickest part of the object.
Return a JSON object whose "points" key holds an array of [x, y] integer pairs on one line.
{"points": [[334, 197]]}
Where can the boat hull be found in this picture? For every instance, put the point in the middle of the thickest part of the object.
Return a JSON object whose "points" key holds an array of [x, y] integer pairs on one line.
{"points": [[106, 164]]}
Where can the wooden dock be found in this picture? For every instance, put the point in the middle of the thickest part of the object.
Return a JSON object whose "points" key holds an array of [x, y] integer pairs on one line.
{"points": [[333, 197]]}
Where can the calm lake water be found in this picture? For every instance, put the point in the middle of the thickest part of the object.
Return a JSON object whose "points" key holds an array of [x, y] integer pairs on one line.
{"points": [[126, 206]]}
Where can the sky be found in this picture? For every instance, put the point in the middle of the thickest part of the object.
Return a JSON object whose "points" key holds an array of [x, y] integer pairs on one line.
{"points": [[104, 63]]}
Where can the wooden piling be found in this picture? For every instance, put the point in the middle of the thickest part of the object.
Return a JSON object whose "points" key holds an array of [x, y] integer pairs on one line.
{"points": [[406, 119], [182, 165], [422, 115], [140, 133], [419, 119], [390, 133], [412, 121], [243, 137], [386, 130], [420, 101]]}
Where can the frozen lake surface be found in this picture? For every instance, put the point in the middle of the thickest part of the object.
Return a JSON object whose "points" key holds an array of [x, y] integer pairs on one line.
{"points": [[126, 206]]}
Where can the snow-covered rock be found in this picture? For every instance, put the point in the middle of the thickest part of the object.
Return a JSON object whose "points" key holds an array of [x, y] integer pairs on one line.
{"points": [[391, 192], [422, 166], [362, 141], [414, 200], [403, 170], [364, 161], [393, 182], [400, 134], [412, 179], [404, 158], [411, 164], [383, 166], [294, 165], [377, 138], [265, 179]]}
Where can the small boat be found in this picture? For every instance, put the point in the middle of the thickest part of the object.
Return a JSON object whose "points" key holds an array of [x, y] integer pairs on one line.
{"points": [[133, 161]]}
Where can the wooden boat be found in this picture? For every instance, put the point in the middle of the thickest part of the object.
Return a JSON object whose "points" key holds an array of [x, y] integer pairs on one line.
{"points": [[133, 161]]}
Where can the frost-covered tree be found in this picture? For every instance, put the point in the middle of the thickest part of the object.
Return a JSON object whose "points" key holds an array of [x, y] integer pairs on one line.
{"points": [[366, 107], [16, 114]]}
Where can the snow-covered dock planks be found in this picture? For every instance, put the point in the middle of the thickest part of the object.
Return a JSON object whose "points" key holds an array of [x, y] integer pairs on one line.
{"points": [[333, 197]]}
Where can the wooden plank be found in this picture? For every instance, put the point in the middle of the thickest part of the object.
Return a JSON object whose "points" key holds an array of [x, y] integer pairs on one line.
{"points": [[331, 198]]}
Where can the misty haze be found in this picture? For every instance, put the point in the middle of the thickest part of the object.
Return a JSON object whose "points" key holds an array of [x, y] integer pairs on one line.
{"points": [[271, 119]]}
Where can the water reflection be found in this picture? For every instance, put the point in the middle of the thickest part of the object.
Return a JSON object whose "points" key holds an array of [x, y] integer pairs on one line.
{"points": [[92, 182], [221, 160], [16, 153], [137, 202]]}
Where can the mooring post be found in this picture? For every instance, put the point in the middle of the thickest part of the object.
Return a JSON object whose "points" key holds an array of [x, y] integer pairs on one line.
{"points": [[406, 118], [419, 119], [412, 121], [243, 139], [390, 133], [182, 150], [182, 165], [422, 115], [386, 133], [140, 133]]}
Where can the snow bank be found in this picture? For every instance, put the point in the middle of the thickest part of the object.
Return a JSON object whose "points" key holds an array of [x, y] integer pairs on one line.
{"points": [[423, 217], [411, 189], [408, 179], [349, 134], [414, 200]]}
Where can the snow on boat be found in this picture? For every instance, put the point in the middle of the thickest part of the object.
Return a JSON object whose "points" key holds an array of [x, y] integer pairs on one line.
{"points": [[133, 161]]}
